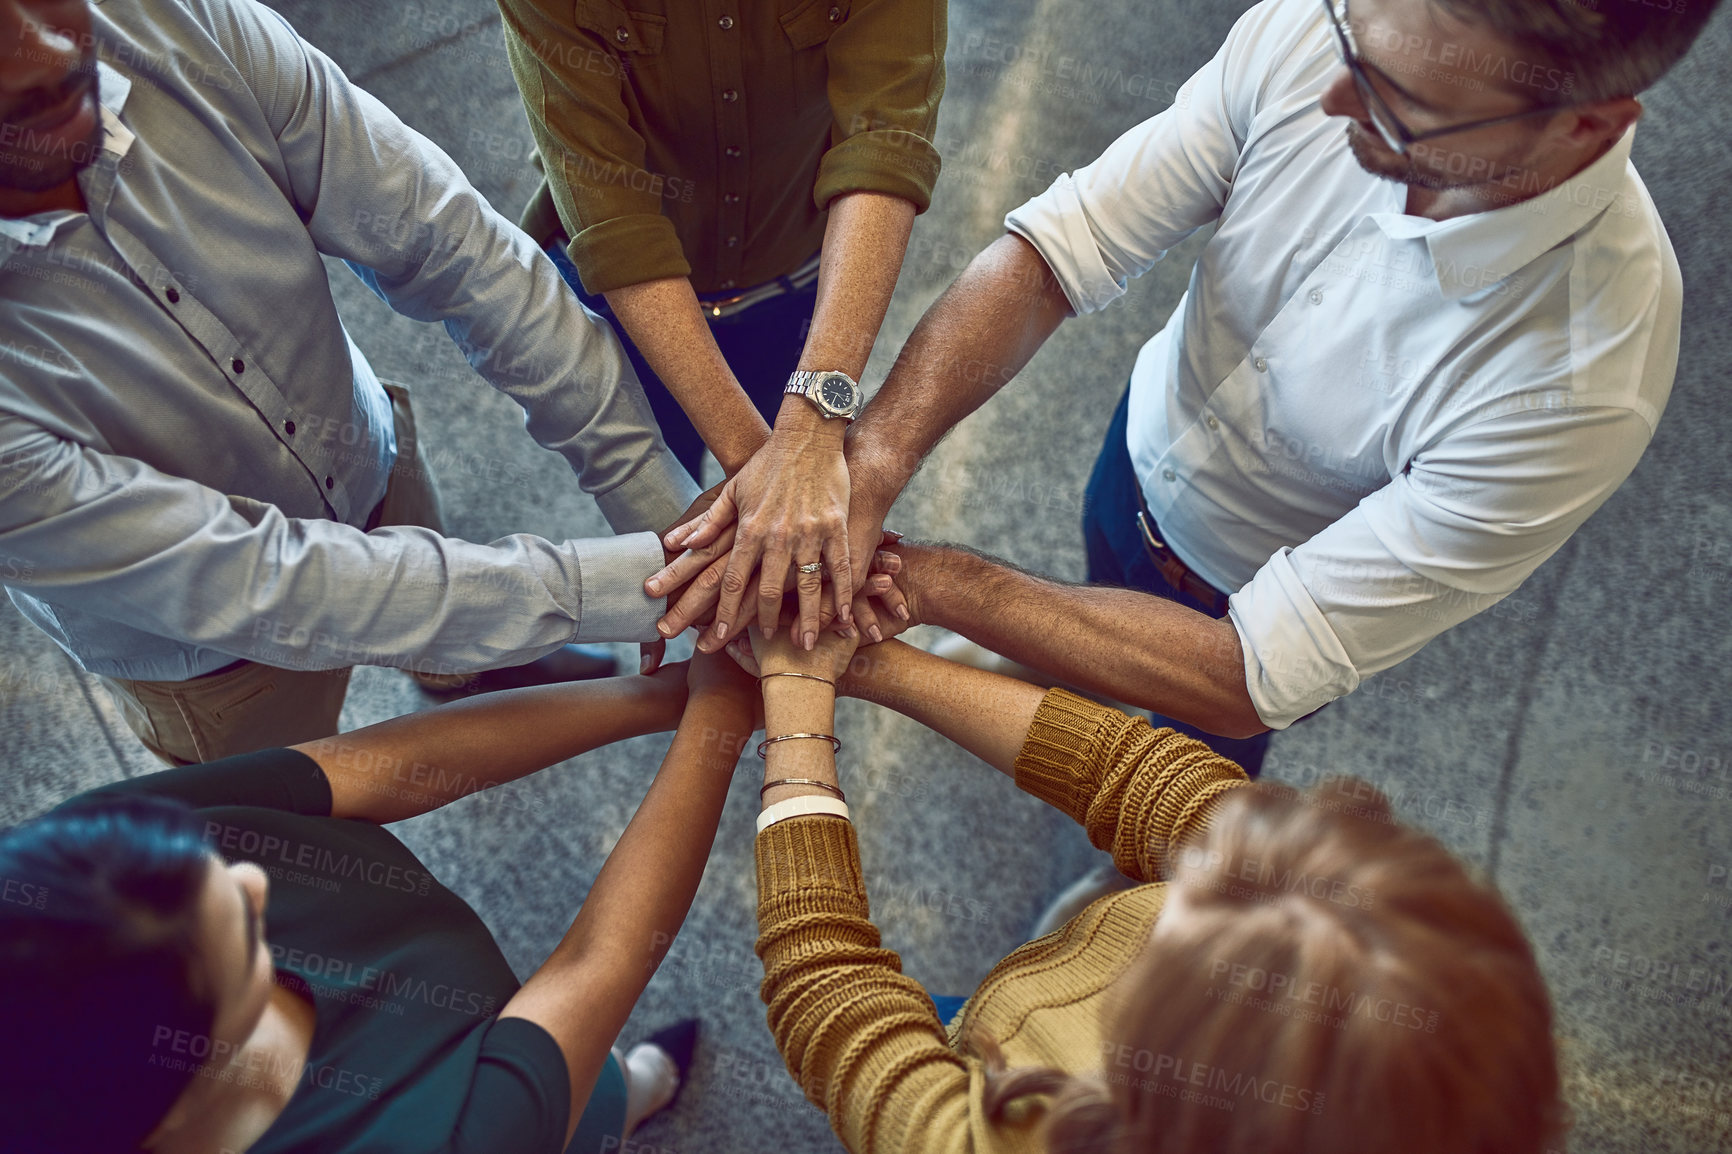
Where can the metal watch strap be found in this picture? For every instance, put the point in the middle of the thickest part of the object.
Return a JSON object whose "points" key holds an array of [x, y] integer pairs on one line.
{"points": [[804, 382]]}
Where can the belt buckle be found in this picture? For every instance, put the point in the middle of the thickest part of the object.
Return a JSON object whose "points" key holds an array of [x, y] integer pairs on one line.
{"points": [[1149, 538]]}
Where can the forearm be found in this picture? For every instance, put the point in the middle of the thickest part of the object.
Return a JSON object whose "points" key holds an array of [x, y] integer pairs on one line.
{"points": [[585, 991], [877, 1035], [865, 239], [973, 340], [1133, 647], [987, 714], [419, 762], [666, 323]]}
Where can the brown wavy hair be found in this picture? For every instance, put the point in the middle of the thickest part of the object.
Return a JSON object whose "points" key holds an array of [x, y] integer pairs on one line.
{"points": [[1322, 978]]}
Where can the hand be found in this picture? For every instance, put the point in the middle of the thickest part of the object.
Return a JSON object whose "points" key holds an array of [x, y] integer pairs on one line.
{"points": [[893, 600], [714, 675], [700, 580], [789, 507], [828, 658], [692, 565]]}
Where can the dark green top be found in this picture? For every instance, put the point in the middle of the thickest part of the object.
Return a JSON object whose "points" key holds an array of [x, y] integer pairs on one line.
{"points": [[707, 139], [409, 1054]]}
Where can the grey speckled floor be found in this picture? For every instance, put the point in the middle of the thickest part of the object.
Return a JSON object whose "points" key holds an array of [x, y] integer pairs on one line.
{"points": [[1576, 744]]}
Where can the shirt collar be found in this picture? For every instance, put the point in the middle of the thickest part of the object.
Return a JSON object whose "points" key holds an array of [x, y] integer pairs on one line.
{"points": [[1473, 252], [38, 230]]}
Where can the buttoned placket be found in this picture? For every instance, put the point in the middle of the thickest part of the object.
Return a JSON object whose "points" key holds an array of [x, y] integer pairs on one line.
{"points": [[98, 184], [727, 73]]}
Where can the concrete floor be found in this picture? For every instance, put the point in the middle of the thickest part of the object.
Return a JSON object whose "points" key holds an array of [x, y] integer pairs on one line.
{"points": [[1575, 745]]}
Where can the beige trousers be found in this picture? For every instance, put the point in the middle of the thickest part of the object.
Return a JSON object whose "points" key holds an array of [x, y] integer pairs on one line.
{"points": [[248, 706]]}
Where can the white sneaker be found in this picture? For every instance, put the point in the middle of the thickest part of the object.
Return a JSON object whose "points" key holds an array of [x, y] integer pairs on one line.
{"points": [[1104, 879]]}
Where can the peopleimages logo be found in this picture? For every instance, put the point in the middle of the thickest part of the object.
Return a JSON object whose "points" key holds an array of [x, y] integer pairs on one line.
{"points": [[327, 863]]}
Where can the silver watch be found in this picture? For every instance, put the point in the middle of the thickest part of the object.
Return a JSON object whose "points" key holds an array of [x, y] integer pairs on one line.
{"points": [[835, 394]]}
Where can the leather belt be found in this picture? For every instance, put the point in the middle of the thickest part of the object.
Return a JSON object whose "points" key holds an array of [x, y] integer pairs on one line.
{"points": [[1178, 575], [717, 306]]}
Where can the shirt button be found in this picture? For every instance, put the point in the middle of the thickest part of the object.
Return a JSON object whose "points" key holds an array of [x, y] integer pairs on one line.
{"points": [[1169, 475], [1316, 296], [1260, 365], [733, 242], [238, 365], [173, 295], [289, 428], [835, 15], [729, 95], [622, 34], [733, 151], [727, 284], [725, 23], [330, 482], [731, 198], [1212, 422]]}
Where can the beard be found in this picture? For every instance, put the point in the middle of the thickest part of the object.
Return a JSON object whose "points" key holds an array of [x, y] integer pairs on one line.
{"points": [[1377, 158], [36, 170]]}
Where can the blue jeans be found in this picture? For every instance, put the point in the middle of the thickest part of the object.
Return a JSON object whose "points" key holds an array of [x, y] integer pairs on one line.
{"points": [[1116, 556], [762, 346]]}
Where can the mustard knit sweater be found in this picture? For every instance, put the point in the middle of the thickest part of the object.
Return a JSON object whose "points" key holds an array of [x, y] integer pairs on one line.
{"points": [[864, 1041]]}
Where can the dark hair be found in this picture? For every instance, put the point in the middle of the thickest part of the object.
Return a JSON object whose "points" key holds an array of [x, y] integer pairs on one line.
{"points": [[98, 966], [1607, 48]]}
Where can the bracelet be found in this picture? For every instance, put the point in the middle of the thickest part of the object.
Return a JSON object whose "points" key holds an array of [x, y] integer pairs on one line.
{"points": [[835, 746], [801, 807], [811, 781], [807, 676]]}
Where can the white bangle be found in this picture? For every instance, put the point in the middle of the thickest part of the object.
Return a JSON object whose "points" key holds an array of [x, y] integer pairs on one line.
{"points": [[801, 807]]}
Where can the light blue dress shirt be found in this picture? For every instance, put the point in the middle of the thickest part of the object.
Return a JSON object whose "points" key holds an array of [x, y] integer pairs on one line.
{"points": [[190, 444]]}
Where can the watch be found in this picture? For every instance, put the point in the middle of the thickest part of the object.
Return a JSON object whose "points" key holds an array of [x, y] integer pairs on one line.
{"points": [[835, 394]]}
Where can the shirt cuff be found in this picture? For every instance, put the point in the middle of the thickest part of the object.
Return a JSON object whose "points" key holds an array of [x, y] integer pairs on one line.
{"points": [[627, 250], [612, 605], [888, 160], [652, 499], [1294, 663], [1057, 226]]}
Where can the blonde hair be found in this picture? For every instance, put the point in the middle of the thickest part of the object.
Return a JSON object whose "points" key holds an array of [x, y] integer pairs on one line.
{"points": [[1321, 979]]}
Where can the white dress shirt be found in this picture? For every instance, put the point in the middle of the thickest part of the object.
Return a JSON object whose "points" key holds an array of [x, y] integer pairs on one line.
{"points": [[190, 444], [1363, 425]]}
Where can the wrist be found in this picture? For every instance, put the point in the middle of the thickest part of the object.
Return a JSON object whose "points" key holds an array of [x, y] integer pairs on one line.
{"points": [[927, 579], [741, 448], [873, 479], [799, 419]]}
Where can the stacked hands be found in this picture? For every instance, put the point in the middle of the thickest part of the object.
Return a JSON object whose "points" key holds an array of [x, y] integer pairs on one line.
{"points": [[734, 557]]}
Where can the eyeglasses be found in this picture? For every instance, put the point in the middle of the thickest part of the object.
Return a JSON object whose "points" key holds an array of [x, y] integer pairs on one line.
{"points": [[1394, 133]]}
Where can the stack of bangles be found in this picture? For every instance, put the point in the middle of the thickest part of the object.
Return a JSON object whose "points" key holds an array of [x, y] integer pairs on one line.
{"points": [[806, 804]]}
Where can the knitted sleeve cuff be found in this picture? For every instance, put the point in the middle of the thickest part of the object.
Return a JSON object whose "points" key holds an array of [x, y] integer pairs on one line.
{"points": [[627, 250], [811, 865], [1061, 759]]}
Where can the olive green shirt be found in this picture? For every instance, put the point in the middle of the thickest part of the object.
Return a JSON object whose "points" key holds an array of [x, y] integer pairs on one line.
{"points": [[705, 138]]}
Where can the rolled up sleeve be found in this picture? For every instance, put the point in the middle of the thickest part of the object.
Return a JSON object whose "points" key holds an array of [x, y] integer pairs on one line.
{"points": [[572, 84], [1449, 538], [1157, 183], [886, 78]]}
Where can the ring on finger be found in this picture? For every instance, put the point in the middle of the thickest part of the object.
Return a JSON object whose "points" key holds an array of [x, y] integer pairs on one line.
{"points": [[811, 567]]}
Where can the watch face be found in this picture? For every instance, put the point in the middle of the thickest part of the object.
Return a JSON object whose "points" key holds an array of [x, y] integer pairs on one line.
{"points": [[837, 392]]}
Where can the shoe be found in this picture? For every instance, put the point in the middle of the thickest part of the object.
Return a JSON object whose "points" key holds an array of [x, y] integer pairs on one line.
{"points": [[678, 1042], [1078, 896], [567, 663]]}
